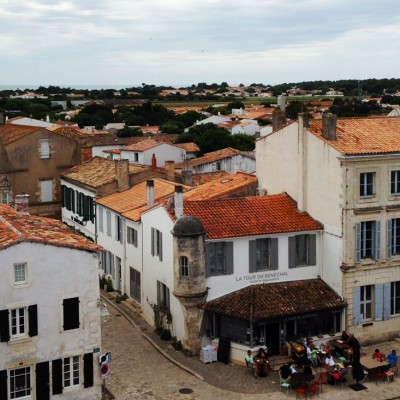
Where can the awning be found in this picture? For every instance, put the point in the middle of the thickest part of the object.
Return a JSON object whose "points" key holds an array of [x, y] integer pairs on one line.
{"points": [[274, 300]]}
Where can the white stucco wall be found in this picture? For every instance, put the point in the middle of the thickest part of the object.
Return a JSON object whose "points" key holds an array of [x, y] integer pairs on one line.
{"points": [[54, 273], [155, 270], [88, 229], [98, 151], [229, 164], [163, 152]]}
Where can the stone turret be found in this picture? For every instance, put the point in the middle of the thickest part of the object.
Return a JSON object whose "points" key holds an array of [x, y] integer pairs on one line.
{"points": [[190, 277]]}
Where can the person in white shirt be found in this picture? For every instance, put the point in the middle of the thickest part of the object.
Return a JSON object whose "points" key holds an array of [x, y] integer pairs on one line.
{"points": [[329, 360]]}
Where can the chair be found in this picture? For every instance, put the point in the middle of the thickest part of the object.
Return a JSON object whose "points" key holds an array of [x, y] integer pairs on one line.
{"points": [[313, 389], [324, 374], [284, 384], [379, 375], [365, 377], [390, 375], [301, 390], [250, 367], [318, 384]]}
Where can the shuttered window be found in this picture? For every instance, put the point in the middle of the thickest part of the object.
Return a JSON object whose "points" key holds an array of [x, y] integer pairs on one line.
{"points": [[163, 299], [263, 254], [88, 370], [43, 381], [219, 258], [368, 240], [367, 184], [156, 243], [56, 373], [71, 313], [302, 250], [395, 298]]}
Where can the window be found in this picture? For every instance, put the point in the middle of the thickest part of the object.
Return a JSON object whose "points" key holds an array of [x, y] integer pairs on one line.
{"points": [[156, 243], [5, 198], [44, 148], [136, 157], [393, 236], [46, 191], [20, 382], [18, 322], [71, 371], [101, 216], [20, 273], [84, 207], [162, 295], [108, 216], [132, 236], [118, 229], [366, 302], [395, 298], [219, 258], [68, 198], [367, 184], [71, 313], [263, 254], [368, 240], [302, 251], [395, 183], [184, 266]]}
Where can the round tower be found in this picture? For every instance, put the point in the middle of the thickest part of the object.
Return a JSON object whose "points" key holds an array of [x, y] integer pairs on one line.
{"points": [[190, 276]]}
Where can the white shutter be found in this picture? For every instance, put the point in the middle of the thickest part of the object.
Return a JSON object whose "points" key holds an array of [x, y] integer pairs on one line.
{"points": [[46, 191]]}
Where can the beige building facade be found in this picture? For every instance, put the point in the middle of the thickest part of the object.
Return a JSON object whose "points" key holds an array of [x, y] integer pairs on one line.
{"points": [[346, 174]]}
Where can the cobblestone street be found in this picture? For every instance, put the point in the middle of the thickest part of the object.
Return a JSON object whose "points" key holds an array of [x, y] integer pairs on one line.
{"points": [[139, 371]]}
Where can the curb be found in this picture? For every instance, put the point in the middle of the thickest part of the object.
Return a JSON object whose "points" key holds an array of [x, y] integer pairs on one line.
{"points": [[151, 341]]}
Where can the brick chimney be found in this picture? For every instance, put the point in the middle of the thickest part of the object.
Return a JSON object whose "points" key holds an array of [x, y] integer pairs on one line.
{"points": [[170, 169], [122, 173], [329, 126], [150, 193], [178, 200], [154, 161], [278, 119], [22, 204]]}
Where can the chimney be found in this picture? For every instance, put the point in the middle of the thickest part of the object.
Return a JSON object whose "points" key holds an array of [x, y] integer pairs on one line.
{"points": [[178, 200], [154, 161], [329, 126], [22, 204], [278, 119], [281, 102], [150, 193], [122, 173], [304, 119], [47, 118], [1, 118], [170, 168], [187, 173]]}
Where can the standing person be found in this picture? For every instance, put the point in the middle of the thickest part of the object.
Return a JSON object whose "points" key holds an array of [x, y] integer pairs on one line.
{"points": [[345, 337], [358, 372]]}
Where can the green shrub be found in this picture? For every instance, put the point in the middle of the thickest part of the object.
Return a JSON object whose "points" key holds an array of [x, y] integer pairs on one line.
{"points": [[177, 345]]}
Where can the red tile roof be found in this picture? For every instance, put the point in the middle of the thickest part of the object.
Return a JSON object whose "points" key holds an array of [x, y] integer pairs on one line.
{"points": [[143, 145], [249, 216], [273, 300], [15, 228], [11, 132], [189, 147], [373, 135]]}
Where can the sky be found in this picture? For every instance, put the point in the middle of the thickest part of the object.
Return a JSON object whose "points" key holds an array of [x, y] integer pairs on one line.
{"points": [[181, 42]]}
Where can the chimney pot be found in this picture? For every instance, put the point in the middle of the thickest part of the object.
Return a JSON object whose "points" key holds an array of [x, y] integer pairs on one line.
{"points": [[153, 161], [150, 193], [22, 204]]}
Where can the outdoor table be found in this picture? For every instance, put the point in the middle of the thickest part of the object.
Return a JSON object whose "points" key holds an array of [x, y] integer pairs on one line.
{"points": [[339, 344], [370, 363], [301, 378]]}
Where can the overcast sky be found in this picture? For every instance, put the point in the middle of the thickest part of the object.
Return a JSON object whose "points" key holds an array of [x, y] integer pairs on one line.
{"points": [[180, 42]]}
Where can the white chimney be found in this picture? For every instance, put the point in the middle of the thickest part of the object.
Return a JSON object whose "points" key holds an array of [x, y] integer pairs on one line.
{"points": [[178, 200], [22, 204], [150, 193]]}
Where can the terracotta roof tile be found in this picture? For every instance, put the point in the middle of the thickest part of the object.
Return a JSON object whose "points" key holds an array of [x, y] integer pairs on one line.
{"points": [[190, 147], [15, 228], [98, 171], [207, 177], [11, 132], [274, 300], [248, 216], [143, 145], [211, 157], [221, 187], [373, 135]]}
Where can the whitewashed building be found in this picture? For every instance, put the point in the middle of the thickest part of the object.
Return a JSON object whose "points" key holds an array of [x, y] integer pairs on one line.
{"points": [[50, 333]]}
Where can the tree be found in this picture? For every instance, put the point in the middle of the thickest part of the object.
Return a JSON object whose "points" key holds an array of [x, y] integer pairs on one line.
{"points": [[235, 104], [129, 132], [294, 108], [243, 142], [172, 127]]}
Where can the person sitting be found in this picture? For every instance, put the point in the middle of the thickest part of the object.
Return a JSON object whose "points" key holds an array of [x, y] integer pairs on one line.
{"points": [[313, 357], [262, 364], [329, 361], [378, 355], [392, 359], [308, 370], [250, 361], [286, 372]]}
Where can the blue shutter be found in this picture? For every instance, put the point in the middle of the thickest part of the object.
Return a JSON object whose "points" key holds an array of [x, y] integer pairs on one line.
{"points": [[377, 240], [389, 239], [378, 302], [229, 258], [356, 306], [386, 300], [358, 242]]}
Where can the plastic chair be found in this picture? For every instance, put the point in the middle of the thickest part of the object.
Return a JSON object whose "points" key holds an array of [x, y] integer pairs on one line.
{"points": [[284, 384], [318, 384], [250, 367], [389, 375], [313, 390], [299, 391]]}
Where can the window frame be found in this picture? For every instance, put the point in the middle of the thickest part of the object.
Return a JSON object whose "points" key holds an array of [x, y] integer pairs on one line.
{"points": [[394, 237], [184, 266], [15, 316], [367, 236], [367, 185], [28, 386], [25, 274], [163, 296], [132, 236], [69, 376], [156, 243], [305, 243], [44, 151], [219, 266], [395, 182], [365, 302], [395, 298]]}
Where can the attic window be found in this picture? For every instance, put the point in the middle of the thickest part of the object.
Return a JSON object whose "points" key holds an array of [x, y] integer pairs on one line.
{"points": [[226, 180]]}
